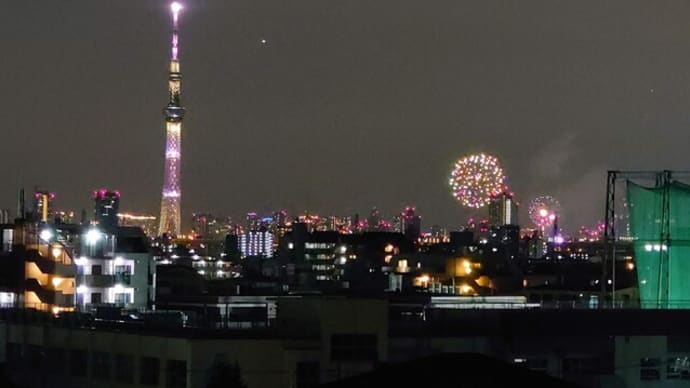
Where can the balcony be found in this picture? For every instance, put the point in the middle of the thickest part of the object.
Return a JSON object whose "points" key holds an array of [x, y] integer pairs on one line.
{"points": [[49, 296], [47, 265], [98, 281]]}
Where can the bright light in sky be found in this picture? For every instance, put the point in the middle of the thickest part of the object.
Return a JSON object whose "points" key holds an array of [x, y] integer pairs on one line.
{"points": [[175, 7]]}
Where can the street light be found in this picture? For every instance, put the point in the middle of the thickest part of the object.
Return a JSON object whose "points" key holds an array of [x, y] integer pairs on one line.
{"points": [[46, 235], [93, 236]]}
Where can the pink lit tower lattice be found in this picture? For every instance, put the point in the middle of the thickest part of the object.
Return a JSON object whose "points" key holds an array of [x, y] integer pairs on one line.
{"points": [[174, 113]]}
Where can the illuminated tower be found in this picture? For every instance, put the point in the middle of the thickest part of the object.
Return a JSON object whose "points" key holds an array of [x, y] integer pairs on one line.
{"points": [[174, 113], [43, 205]]}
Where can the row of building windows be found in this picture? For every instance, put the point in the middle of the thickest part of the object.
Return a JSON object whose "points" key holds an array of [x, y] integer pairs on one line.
{"points": [[328, 246], [102, 366], [97, 269], [676, 368], [582, 365]]}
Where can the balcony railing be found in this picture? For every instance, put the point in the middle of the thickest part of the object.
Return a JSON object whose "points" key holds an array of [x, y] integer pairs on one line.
{"points": [[99, 281]]}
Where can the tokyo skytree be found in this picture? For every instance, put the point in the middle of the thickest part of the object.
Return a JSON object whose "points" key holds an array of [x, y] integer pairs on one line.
{"points": [[174, 113]]}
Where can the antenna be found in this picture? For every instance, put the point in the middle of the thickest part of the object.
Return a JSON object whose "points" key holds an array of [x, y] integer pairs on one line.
{"points": [[175, 7]]}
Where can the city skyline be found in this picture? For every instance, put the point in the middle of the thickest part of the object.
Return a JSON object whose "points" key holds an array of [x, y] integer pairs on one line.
{"points": [[362, 107]]}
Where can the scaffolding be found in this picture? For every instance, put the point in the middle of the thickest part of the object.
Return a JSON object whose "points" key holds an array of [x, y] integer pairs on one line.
{"points": [[656, 211]]}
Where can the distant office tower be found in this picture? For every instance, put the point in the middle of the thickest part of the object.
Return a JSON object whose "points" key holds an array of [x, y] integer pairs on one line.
{"points": [[279, 226], [43, 205], [174, 113], [107, 204], [340, 224], [200, 224], [411, 223], [253, 221], [374, 219], [280, 218], [257, 243], [65, 217], [4, 216], [396, 224], [231, 247], [503, 210]]}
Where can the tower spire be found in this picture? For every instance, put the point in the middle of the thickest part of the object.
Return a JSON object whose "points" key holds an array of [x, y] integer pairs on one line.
{"points": [[174, 113]]}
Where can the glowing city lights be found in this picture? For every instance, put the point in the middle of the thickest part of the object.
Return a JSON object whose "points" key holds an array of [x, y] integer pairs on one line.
{"points": [[56, 251], [46, 235], [93, 236], [171, 194], [475, 179]]}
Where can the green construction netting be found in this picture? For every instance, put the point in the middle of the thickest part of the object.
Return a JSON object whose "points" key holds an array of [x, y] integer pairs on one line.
{"points": [[660, 226]]}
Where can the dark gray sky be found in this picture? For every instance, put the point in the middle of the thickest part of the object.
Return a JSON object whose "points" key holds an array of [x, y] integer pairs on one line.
{"points": [[350, 104]]}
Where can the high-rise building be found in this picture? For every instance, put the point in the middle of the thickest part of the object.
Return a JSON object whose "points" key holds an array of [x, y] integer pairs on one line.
{"points": [[174, 113], [253, 221], [503, 210], [107, 204], [256, 243], [201, 223], [373, 219], [43, 201], [279, 226], [4, 216], [65, 217], [411, 223]]}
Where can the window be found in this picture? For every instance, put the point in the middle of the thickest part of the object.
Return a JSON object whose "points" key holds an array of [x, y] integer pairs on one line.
{"points": [[307, 374], [149, 370], [100, 365], [96, 297], [123, 274], [354, 347], [176, 374], [123, 269], [649, 369], [97, 269], [678, 368], [123, 298], [78, 363], [124, 368]]}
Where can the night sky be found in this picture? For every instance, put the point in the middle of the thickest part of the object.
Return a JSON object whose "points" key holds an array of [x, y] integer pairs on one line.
{"points": [[347, 105]]}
